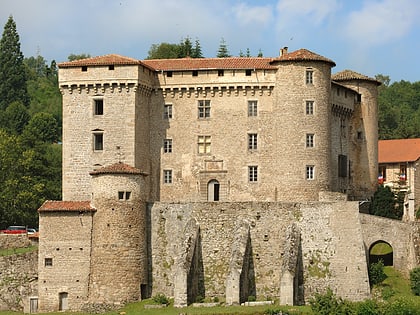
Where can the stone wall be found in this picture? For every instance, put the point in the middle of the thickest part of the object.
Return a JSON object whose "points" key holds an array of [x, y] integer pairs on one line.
{"points": [[18, 274], [331, 244], [402, 236]]}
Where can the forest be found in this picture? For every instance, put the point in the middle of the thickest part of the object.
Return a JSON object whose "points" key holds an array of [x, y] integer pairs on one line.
{"points": [[31, 118]]}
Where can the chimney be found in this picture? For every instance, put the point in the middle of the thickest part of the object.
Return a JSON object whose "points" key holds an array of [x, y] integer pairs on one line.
{"points": [[283, 51]]}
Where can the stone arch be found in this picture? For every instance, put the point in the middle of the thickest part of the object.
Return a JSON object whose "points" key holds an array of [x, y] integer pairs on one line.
{"points": [[381, 250], [213, 190]]}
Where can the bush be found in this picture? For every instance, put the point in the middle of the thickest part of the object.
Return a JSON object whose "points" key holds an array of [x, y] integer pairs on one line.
{"points": [[376, 273], [251, 298], [160, 299], [415, 281], [401, 307], [328, 303], [368, 307]]}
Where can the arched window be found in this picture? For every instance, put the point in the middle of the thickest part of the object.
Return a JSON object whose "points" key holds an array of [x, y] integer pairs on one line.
{"points": [[213, 188]]}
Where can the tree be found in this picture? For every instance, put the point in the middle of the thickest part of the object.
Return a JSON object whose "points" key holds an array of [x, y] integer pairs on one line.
{"points": [[42, 128], [73, 57], [385, 204], [185, 48], [196, 52], [13, 75], [15, 118], [163, 51], [223, 50], [415, 280]]}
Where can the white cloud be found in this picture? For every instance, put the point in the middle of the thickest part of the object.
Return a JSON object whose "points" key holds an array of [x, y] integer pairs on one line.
{"points": [[381, 22], [256, 15], [314, 11]]}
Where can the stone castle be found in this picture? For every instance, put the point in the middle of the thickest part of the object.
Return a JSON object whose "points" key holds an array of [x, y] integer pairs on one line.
{"points": [[212, 178]]}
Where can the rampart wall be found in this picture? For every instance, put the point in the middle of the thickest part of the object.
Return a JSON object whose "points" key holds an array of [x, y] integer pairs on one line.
{"points": [[331, 250]]}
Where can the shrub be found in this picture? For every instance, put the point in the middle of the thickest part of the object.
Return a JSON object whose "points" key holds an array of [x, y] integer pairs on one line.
{"points": [[251, 298], [415, 281], [401, 307], [368, 307], [328, 303], [376, 273], [199, 299], [160, 299]]}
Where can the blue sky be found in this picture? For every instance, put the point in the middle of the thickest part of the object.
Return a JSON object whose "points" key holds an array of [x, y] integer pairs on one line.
{"points": [[368, 36]]}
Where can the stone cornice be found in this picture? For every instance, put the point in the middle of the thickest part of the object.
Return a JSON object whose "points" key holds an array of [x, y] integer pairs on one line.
{"points": [[112, 87], [215, 90]]}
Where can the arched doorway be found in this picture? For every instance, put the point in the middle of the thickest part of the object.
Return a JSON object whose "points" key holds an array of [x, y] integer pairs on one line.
{"points": [[381, 250], [213, 190]]}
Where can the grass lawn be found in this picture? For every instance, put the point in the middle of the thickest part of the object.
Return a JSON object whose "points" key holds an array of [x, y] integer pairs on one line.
{"points": [[381, 249], [14, 251]]}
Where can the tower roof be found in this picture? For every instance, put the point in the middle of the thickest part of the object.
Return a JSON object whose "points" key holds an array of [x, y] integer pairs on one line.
{"points": [[66, 206], [302, 55], [118, 168], [111, 59], [347, 75]]}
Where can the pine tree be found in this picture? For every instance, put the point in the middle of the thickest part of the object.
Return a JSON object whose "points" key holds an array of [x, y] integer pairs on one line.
{"points": [[13, 75], [197, 53], [223, 50]]}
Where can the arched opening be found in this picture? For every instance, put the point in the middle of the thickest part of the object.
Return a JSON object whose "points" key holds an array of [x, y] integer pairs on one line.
{"points": [[213, 189], [381, 250]]}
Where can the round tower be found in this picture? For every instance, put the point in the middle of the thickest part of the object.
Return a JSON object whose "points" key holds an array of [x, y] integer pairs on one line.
{"points": [[119, 237], [302, 107], [364, 132]]}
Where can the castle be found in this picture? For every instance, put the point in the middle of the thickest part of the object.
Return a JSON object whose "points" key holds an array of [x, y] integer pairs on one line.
{"points": [[213, 177]]}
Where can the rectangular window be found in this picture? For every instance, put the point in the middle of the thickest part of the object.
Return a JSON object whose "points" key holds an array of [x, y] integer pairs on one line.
{"points": [[252, 108], [382, 174], [342, 165], [220, 73], [309, 107], [84, 68], [124, 195], [309, 77], [195, 73], [167, 146], [403, 172], [310, 140], [167, 176], [204, 109], [48, 262], [167, 111], [252, 141], [98, 141], [99, 106], [310, 172], [248, 72], [111, 67], [204, 144], [253, 173], [121, 195], [169, 74]]}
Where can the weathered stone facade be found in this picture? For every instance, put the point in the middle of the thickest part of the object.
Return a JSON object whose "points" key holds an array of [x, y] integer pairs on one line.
{"points": [[222, 178]]}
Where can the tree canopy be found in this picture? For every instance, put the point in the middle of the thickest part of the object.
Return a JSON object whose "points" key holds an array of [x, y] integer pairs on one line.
{"points": [[173, 51], [13, 75], [30, 113]]}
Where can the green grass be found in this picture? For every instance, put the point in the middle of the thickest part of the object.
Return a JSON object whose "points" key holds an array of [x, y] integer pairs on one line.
{"points": [[381, 249], [17, 251]]}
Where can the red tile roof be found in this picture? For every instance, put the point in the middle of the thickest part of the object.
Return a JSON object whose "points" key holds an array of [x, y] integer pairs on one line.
{"points": [[398, 150], [302, 55], [66, 206], [117, 168], [209, 63], [106, 60], [347, 75], [198, 63]]}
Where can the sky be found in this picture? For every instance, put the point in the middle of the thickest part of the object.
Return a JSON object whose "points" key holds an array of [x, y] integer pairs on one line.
{"points": [[367, 36]]}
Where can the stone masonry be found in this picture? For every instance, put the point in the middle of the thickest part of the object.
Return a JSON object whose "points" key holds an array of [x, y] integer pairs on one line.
{"points": [[222, 178]]}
